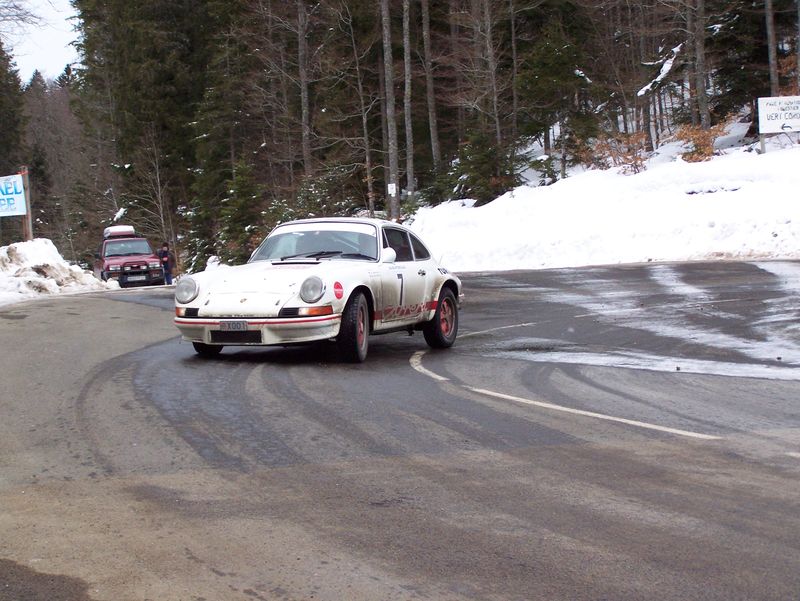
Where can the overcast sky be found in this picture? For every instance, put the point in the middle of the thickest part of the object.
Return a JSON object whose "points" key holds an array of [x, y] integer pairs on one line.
{"points": [[47, 46]]}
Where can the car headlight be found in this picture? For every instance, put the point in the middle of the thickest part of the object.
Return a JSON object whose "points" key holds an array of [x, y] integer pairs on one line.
{"points": [[186, 290], [154, 264], [114, 268], [312, 289]]}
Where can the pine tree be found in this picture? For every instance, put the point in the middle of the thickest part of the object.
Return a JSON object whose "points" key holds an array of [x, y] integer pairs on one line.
{"points": [[220, 132], [12, 120], [240, 216]]}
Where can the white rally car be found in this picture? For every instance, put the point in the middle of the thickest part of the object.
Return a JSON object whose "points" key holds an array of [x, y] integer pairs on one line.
{"points": [[319, 279]]}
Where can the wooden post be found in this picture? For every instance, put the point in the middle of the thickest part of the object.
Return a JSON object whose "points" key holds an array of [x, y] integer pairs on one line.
{"points": [[761, 139], [27, 219]]}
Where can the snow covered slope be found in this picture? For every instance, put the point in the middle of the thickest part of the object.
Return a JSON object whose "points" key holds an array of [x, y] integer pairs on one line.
{"points": [[742, 205]]}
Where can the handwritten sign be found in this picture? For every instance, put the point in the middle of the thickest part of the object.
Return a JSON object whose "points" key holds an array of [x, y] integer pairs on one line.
{"points": [[779, 115], [12, 196]]}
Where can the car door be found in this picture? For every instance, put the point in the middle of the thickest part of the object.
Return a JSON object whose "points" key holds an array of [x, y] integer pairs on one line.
{"points": [[403, 283], [427, 268]]}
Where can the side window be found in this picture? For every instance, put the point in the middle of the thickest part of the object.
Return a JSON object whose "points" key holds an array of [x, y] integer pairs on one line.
{"points": [[398, 240], [420, 252]]}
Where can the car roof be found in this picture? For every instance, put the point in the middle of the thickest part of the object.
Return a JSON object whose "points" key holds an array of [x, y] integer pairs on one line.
{"points": [[364, 220]]}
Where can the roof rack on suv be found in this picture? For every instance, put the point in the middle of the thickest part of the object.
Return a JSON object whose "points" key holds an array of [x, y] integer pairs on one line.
{"points": [[118, 231]]}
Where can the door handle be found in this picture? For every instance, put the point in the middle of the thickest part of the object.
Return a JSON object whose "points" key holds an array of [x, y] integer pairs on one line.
{"points": [[421, 272]]}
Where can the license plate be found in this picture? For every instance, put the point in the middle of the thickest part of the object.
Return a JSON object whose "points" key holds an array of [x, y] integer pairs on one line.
{"points": [[233, 326], [137, 278]]}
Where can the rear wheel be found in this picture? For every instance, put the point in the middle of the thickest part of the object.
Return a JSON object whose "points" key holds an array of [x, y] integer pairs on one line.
{"points": [[207, 350], [441, 331], [353, 339]]}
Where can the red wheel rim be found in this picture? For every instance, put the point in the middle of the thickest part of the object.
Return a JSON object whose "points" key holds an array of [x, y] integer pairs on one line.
{"points": [[446, 318], [361, 333]]}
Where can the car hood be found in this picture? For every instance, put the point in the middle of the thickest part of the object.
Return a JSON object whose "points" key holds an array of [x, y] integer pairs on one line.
{"points": [[258, 289], [261, 277], [122, 260]]}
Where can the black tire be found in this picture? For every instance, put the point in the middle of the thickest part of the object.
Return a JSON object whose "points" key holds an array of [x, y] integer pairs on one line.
{"points": [[207, 350], [353, 339], [441, 331]]}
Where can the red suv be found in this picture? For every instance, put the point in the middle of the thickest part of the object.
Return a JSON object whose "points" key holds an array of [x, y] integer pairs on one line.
{"points": [[127, 257]]}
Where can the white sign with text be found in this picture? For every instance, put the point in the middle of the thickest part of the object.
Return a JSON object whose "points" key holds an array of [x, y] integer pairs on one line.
{"points": [[12, 196], [779, 115]]}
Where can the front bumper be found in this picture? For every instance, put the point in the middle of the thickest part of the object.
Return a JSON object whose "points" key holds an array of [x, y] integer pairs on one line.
{"points": [[258, 331], [135, 278]]}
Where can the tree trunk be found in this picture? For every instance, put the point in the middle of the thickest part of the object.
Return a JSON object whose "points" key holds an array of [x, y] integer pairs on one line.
{"points": [[391, 119], [491, 65], [455, 48], [691, 69], [514, 68], [647, 127], [772, 47], [384, 126], [430, 90], [409, 122], [700, 65], [364, 120], [797, 44], [302, 62]]}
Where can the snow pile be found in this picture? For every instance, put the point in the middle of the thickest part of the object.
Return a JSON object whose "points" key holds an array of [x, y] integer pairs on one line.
{"points": [[738, 206], [35, 268]]}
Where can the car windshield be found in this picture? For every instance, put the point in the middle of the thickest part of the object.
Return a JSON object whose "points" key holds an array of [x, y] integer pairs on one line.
{"points": [[124, 248], [333, 240]]}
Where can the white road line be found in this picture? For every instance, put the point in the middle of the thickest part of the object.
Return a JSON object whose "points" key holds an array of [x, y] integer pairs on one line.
{"points": [[602, 416], [416, 363], [516, 325]]}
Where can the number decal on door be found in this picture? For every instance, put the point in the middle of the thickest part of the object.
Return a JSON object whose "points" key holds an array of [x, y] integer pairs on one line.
{"points": [[402, 285]]}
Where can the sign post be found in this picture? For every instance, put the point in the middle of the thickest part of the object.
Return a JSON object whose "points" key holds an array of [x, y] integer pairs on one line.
{"points": [[27, 220], [778, 115]]}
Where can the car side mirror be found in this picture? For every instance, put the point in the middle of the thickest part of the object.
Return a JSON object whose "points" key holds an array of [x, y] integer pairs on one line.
{"points": [[389, 255]]}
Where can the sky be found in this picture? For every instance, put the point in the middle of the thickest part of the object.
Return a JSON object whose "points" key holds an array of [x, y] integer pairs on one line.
{"points": [[46, 46], [741, 205]]}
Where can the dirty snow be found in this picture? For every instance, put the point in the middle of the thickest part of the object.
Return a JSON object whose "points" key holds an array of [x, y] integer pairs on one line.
{"points": [[33, 269]]}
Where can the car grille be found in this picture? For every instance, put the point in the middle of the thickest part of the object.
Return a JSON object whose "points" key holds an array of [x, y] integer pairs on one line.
{"points": [[249, 337], [135, 269]]}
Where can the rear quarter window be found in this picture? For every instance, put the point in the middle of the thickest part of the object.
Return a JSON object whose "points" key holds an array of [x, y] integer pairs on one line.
{"points": [[420, 252]]}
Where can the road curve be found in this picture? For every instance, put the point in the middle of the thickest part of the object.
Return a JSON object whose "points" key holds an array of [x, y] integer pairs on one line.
{"points": [[607, 433]]}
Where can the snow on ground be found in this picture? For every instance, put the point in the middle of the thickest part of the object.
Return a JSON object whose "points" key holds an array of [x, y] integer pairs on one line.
{"points": [[35, 268], [741, 205]]}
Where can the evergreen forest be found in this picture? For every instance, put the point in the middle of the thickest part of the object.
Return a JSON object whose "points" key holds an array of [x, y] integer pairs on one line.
{"points": [[207, 122]]}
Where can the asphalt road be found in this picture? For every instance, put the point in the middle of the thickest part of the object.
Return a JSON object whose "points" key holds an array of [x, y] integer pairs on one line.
{"points": [[622, 433]]}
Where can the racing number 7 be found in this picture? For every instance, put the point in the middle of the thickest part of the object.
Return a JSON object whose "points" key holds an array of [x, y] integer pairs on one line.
{"points": [[402, 284]]}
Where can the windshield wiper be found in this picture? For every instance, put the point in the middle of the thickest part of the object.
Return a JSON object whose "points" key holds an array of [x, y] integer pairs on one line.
{"points": [[357, 256], [313, 255]]}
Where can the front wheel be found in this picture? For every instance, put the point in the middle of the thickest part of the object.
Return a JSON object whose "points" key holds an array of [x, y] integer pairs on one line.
{"points": [[441, 331], [353, 339], [207, 350]]}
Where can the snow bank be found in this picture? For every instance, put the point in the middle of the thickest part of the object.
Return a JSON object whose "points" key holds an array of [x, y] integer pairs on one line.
{"points": [[739, 206], [35, 268]]}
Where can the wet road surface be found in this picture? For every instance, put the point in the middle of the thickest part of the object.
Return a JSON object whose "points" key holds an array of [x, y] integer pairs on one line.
{"points": [[605, 433]]}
